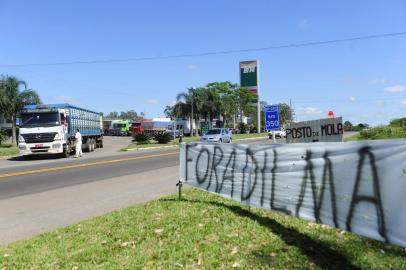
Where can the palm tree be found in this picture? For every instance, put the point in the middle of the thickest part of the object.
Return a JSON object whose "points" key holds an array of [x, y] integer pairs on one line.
{"points": [[12, 100], [187, 98]]}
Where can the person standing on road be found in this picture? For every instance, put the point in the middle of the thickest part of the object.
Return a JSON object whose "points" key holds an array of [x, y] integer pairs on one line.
{"points": [[78, 146]]}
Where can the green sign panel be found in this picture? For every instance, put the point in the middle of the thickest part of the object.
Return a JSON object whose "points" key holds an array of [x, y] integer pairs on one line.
{"points": [[249, 75]]}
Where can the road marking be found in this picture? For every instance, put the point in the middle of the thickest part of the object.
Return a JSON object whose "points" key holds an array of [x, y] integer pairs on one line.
{"points": [[52, 169]]}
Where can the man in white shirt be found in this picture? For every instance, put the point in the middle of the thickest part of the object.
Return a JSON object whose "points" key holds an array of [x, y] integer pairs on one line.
{"points": [[78, 146]]}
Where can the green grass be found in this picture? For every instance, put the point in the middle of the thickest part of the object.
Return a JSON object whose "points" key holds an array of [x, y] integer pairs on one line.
{"points": [[8, 150], [189, 139], [203, 231], [379, 133]]}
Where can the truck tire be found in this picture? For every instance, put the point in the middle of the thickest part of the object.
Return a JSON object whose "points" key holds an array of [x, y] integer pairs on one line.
{"points": [[88, 145], [93, 144], [66, 151], [101, 143]]}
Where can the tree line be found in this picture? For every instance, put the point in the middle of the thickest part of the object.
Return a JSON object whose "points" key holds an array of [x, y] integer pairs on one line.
{"points": [[14, 95], [125, 115], [221, 99]]}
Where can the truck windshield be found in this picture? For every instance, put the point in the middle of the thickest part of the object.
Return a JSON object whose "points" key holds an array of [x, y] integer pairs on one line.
{"points": [[136, 124], [39, 119], [118, 126]]}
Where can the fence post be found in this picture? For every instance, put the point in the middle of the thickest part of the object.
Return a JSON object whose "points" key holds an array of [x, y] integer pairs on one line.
{"points": [[179, 185]]}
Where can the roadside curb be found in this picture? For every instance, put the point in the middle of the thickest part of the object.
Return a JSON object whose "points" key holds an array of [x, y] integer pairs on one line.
{"points": [[171, 146], [247, 139], [146, 148]]}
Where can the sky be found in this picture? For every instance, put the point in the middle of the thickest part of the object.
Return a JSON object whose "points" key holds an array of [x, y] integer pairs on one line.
{"points": [[362, 81]]}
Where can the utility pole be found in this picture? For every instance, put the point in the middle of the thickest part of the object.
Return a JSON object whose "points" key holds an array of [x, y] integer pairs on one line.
{"points": [[191, 120], [259, 116]]}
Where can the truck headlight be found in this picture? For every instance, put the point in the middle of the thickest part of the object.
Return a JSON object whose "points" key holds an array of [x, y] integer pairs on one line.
{"points": [[21, 139]]}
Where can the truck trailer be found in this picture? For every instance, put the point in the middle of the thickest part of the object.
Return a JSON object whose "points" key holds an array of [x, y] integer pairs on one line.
{"points": [[151, 126], [50, 129]]}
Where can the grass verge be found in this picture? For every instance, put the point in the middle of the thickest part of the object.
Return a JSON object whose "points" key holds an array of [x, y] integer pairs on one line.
{"points": [[203, 231], [379, 133], [8, 150], [189, 139]]}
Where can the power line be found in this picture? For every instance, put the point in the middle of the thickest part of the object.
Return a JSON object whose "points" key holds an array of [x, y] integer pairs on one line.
{"points": [[139, 59]]}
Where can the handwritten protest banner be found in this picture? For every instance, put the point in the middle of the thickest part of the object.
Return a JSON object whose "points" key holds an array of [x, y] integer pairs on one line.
{"points": [[355, 186]]}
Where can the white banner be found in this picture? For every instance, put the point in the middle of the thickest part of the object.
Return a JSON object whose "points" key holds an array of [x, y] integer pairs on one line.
{"points": [[354, 186]]}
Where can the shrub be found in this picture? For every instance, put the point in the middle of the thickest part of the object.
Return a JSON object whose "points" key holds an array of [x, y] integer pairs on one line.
{"points": [[163, 138], [243, 128], [3, 136], [253, 129], [400, 122], [142, 138]]}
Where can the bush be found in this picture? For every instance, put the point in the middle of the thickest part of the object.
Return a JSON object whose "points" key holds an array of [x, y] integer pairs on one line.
{"points": [[163, 138], [400, 122], [3, 136], [142, 138], [253, 129], [243, 128]]}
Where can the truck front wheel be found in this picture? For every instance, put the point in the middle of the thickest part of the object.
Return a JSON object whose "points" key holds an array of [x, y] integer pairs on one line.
{"points": [[66, 151]]}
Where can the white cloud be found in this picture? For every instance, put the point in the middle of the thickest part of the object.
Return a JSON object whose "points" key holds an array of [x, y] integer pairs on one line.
{"points": [[152, 101], [172, 103], [403, 102], [192, 67], [352, 99], [303, 24], [396, 88], [64, 98], [378, 81], [308, 111]]}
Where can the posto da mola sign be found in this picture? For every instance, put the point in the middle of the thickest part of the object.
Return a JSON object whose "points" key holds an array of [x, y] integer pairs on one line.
{"points": [[354, 186], [322, 130], [249, 75]]}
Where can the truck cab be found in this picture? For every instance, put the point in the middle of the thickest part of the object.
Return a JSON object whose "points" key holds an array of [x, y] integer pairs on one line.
{"points": [[43, 130], [120, 127]]}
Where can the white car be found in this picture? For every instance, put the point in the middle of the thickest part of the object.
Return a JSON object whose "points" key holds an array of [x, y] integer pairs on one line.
{"points": [[218, 135], [278, 134]]}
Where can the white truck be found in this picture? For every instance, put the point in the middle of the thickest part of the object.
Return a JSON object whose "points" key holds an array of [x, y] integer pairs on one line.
{"points": [[50, 129]]}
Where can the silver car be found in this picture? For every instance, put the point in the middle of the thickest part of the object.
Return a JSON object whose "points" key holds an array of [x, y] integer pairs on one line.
{"points": [[218, 135]]}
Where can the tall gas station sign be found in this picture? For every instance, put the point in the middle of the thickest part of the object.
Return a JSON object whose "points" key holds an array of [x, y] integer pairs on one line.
{"points": [[249, 79], [249, 75]]}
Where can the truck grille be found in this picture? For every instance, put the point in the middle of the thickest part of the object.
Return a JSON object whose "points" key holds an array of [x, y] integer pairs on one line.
{"points": [[39, 137]]}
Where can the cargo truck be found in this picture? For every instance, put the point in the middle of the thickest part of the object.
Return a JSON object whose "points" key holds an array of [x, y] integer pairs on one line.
{"points": [[50, 129], [151, 126]]}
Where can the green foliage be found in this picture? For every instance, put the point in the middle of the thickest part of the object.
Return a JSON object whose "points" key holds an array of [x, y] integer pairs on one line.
{"points": [[214, 100], [243, 128], [285, 114], [3, 136], [13, 100], [252, 128], [163, 138], [380, 133], [347, 126], [142, 138], [125, 115], [400, 122]]}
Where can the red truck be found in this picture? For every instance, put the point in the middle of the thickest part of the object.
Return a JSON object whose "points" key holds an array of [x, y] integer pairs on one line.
{"points": [[150, 126]]}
